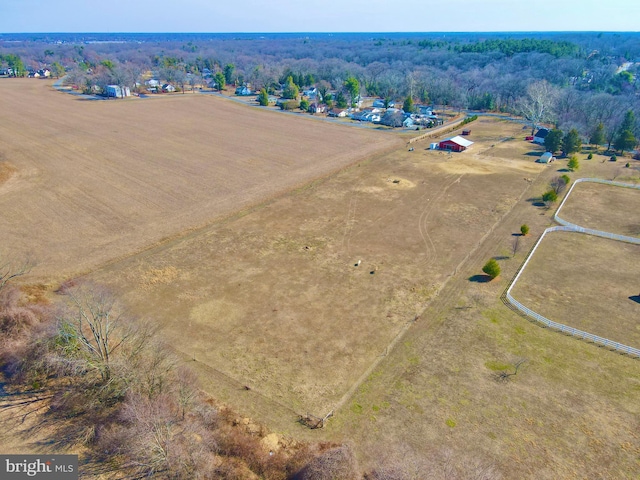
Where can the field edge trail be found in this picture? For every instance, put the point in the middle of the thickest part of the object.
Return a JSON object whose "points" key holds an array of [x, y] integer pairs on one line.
{"points": [[454, 284]]}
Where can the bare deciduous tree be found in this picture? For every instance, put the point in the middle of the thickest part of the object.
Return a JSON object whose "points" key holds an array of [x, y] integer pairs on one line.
{"points": [[558, 184], [515, 245], [538, 105], [505, 376], [339, 462], [10, 268], [96, 328]]}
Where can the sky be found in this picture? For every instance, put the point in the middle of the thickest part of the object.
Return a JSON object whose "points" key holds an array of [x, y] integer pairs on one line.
{"points": [[215, 16]]}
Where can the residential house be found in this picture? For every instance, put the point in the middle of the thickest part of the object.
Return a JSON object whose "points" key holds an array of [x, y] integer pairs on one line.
{"points": [[337, 112], [152, 85], [317, 108], [540, 135], [409, 123], [244, 91], [311, 93], [168, 88]]}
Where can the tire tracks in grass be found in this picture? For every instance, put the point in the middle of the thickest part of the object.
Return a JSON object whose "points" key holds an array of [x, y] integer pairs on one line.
{"points": [[451, 288], [430, 247]]}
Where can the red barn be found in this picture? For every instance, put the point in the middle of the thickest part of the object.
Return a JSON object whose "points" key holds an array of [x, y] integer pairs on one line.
{"points": [[455, 144]]}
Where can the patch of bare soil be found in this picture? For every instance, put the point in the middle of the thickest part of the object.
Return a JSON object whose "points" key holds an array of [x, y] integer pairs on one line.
{"points": [[6, 171]]}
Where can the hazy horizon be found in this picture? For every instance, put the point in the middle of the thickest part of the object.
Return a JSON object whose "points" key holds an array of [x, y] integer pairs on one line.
{"points": [[332, 16]]}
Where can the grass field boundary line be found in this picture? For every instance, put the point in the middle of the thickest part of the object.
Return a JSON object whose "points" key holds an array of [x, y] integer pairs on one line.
{"points": [[405, 328], [570, 227], [233, 381], [590, 231]]}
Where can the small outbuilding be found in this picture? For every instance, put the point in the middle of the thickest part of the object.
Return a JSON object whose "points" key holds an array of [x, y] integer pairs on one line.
{"points": [[117, 91], [455, 144], [546, 157]]}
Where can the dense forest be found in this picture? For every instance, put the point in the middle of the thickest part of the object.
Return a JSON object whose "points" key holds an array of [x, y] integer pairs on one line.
{"points": [[582, 81]]}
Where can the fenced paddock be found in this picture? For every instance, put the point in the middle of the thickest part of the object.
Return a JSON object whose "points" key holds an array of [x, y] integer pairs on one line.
{"points": [[570, 227]]}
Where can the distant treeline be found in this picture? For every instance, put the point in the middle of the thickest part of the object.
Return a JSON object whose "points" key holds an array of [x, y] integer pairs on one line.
{"points": [[511, 46], [594, 76]]}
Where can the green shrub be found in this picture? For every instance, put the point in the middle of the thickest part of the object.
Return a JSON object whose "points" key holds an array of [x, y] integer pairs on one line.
{"points": [[469, 120], [491, 268], [289, 105], [549, 196], [614, 158], [590, 156], [524, 229], [573, 163], [566, 179]]}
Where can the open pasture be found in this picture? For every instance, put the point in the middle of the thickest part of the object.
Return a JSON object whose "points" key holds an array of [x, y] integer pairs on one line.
{"points": [[297, 298], [90, 181], [585, 282], [604, 207]]}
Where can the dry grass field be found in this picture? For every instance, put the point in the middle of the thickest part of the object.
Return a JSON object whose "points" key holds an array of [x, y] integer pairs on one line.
{"points": [[273, 299], [604, 207], [267, 294], [96, 180], [585, 282]]}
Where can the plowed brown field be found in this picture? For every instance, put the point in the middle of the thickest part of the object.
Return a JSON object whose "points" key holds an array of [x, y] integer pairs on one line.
{"points": [[95, 180]]}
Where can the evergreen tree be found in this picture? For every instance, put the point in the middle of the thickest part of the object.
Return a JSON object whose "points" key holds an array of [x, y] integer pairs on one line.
{"points": [[407, 106], [220, 81], [341, 101], [553, 140], [57, 70], [629, 122], [573, 163], [625, 138], [549, 196], [491, 268], [353, 87], [263, 98], [597, 137], [571, 142], [291, 89], [229, 70]]}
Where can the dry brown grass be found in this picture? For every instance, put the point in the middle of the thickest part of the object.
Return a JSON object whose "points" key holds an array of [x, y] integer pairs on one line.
{"points": [[270, 299], [273, 298], [604, 207], [97, 180], [6, 171], [585, 282]]}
